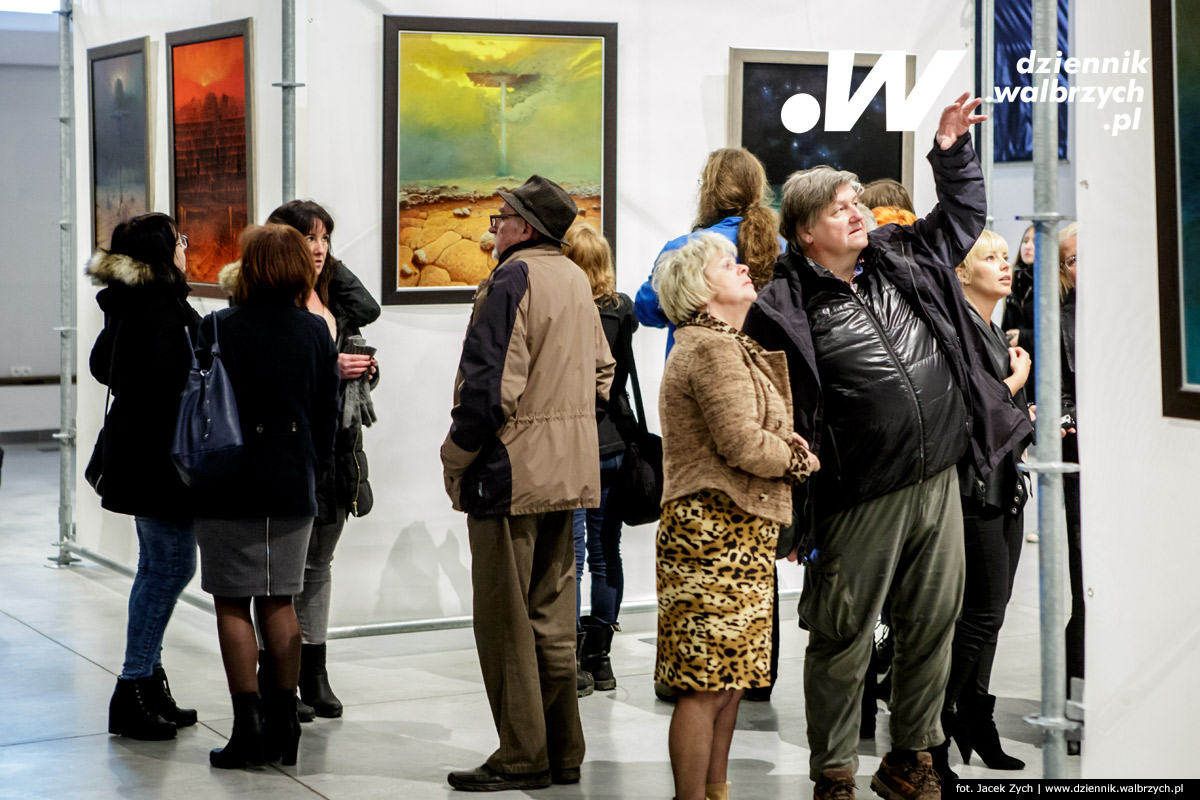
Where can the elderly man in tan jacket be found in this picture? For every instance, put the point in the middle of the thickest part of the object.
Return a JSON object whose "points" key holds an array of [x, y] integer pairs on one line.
{"points": [[519, 458]]}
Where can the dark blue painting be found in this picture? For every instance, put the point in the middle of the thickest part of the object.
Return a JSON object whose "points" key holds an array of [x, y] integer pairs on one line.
{"points": [[120, 154]]}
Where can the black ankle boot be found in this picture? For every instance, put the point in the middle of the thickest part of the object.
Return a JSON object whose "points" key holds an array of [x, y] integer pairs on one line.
{"points": [[247, 742], [594, 653], [584, 684], [167, 707], [941, 762], [133, 711], [266, 682], [314, 682], [977, 730], [283, 727]]}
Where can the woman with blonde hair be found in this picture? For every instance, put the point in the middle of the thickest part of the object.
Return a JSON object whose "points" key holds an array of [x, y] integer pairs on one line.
{"points": [[730, 455], [993, 524], [253, 526], [598, 530]]}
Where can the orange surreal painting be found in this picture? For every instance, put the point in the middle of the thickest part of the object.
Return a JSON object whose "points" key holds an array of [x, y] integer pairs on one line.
{"points": [[211, 164]]}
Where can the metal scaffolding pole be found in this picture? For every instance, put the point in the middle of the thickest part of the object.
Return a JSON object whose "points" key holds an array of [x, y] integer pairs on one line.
{"points": [[66, 289], [289, 86], [1049, 466], [987, 79]]}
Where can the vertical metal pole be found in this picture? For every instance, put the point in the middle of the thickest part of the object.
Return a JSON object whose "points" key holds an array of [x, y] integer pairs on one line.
{"points": [[289, 100], [66, 290], [987, 80], [1049, 398]]}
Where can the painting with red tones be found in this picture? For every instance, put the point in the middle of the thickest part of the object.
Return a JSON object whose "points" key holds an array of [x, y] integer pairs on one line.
{"points": [[212, 176]]}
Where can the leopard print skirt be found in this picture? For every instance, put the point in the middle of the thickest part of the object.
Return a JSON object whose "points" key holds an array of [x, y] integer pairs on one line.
{"points": [[715, 567]]}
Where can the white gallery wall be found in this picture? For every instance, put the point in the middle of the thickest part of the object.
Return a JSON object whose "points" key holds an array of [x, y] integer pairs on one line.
{"points": [[1139, 469], [409, 559]]}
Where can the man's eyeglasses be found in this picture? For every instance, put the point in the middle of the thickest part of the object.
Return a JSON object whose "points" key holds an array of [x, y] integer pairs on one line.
{"points": [[495, 218], [183, 241]]}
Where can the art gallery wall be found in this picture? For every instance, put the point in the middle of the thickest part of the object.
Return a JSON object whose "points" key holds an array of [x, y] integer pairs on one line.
{"points": [[409, 558], [1141, 542], [29, 196]]}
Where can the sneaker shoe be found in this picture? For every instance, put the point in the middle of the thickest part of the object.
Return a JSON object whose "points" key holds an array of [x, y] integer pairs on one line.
{"points": [[835, 784], [915, 780]]}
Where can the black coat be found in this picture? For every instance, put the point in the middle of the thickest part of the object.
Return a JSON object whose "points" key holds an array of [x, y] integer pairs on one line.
{"points": [[144, 320], [618, 424], [345, 484], [919, 260], [283, 367]]}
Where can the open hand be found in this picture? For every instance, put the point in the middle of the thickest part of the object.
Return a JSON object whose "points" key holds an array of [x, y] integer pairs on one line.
{"points": [[957, 119]]}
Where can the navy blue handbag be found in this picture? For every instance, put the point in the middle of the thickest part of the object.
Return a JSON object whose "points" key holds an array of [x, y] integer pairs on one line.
{"points": [[208, 434]]}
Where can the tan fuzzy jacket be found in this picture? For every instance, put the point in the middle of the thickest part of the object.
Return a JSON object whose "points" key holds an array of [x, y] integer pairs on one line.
{"points": [[726, 413], [535, 366]]}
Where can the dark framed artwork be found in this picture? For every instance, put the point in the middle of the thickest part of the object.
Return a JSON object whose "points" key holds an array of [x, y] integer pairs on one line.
{"points": [[119, 134], [1176, 70], [210, 131], [472, 106], [761, 81]]}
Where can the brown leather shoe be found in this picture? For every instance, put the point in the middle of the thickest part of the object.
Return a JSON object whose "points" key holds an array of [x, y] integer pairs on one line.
{"points": [[835, 784], [915, 780], [486, 779]]}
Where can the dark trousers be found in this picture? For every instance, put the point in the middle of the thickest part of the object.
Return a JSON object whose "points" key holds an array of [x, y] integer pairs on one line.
{"points": [[1074, 562], [992, 542], [523, 579]]}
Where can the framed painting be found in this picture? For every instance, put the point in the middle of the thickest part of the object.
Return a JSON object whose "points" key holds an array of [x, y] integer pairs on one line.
{"points": [[210, 131], [474, 106], [1176, 70], [119, 134], [761, 81]]}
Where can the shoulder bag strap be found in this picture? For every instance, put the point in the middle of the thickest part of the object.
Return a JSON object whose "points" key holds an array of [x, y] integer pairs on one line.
{"points": [[112, 359], [637, 387]]}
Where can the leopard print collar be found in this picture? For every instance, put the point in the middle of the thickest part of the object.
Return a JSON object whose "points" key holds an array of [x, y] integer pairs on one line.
{"points": [[705, 320]]}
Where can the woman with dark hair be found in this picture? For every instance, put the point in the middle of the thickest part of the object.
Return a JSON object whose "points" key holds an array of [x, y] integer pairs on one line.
{"points": [[345, 305], [142, 355], [254, 524]]}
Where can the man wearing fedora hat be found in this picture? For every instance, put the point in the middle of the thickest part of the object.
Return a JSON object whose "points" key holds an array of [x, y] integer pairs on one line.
{"points": [[519, 458]]}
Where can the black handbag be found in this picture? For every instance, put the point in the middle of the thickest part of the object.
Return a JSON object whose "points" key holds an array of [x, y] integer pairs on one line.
{"points": [[638, 488], [208, 434], [93, 473]]}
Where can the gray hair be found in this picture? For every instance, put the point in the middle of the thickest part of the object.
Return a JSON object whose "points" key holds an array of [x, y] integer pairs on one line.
{"points": [[679, 279], [806, 194]]}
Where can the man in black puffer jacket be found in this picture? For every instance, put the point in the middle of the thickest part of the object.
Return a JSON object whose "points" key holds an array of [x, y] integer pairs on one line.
{"points": [[884, 364]]}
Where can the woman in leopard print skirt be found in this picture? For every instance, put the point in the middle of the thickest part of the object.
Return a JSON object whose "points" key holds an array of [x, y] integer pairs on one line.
{"points": [[729, 457]]}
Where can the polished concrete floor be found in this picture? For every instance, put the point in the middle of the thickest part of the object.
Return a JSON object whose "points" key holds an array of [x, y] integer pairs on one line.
{"points": [[415, 707]]}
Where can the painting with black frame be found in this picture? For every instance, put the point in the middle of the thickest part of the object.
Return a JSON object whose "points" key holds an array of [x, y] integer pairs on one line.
{"points": [[210, 134], [472, 106], [761, 81], [1176, 69], [119, 134]]}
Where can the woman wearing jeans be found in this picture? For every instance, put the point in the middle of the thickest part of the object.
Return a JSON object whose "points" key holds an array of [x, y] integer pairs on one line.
{"points": [[142, 355], [598, 532]]}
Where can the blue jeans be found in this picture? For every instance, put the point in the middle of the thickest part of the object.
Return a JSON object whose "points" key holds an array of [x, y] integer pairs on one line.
{"points": [[599, 535], [166, 562]]}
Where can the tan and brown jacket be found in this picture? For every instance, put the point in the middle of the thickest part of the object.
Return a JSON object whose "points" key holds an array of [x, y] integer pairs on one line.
{"points": [[726, 413], [535, 368]]}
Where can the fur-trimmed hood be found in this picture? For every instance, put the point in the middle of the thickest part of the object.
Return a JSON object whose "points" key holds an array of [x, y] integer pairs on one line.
{"points": [[108, 268], [230, 275]]}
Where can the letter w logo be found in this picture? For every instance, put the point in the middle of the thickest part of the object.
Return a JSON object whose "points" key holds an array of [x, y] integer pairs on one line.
{"points": [[802, 111]]}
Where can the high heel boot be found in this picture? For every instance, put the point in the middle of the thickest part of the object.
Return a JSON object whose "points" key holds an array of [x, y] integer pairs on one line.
{"points": [[594, 658], [283, 726], [247, 743], [977, 730], [168, 709], [314, 682], [133, 711]]}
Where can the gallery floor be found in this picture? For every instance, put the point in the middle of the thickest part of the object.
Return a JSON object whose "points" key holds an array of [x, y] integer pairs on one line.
{"points": [[415, 707]]}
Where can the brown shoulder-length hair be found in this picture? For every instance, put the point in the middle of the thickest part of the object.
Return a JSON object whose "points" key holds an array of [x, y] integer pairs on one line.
{"points": [[734, 184], [303, 215], [592, 253], [277, 267]]}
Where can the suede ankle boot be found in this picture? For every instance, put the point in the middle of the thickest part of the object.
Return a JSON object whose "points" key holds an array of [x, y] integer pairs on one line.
{"points": [[594, 653], [314, 682], [977, 730], [134, 711], [247, 742], [282, 726]]}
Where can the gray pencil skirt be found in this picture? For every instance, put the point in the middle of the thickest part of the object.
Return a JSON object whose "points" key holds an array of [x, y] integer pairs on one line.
{"points": [[253, 557]]}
